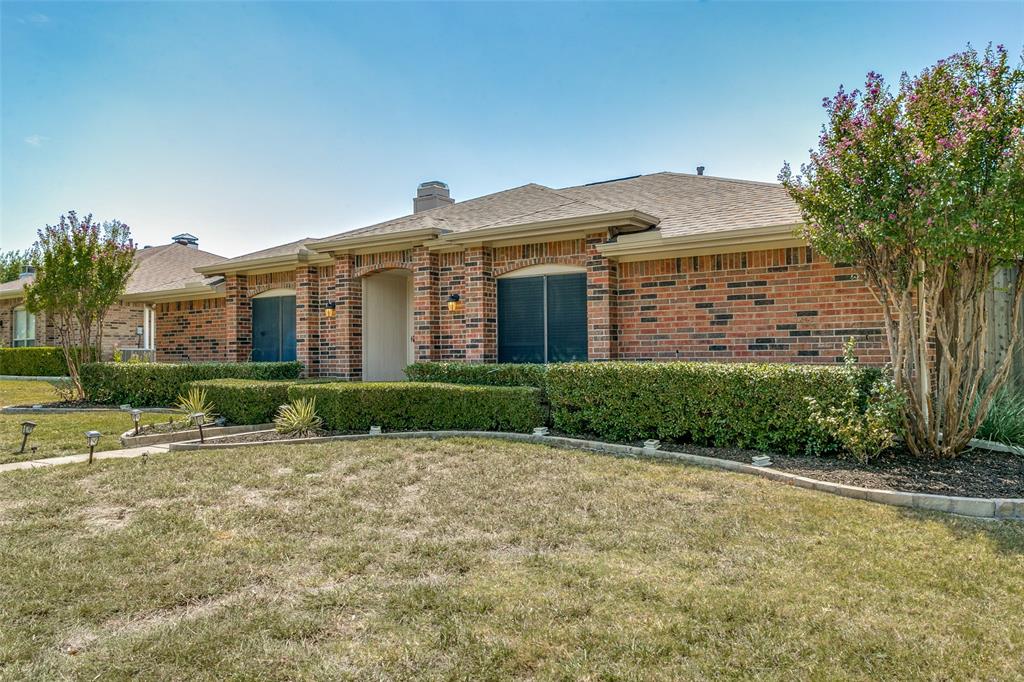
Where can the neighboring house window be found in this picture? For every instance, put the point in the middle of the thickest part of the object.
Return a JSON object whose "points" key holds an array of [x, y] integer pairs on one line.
{"points": [[543, 318], [24, 328], [148, 328]]}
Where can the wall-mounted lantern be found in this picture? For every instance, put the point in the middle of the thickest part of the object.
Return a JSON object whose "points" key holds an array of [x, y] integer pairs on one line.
{"points": [[329, 309], [454, 303]]}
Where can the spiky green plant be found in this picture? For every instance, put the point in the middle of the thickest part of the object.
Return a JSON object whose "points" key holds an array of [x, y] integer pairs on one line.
{"points": [[1004, 422], [298, 418], [195, 400]]}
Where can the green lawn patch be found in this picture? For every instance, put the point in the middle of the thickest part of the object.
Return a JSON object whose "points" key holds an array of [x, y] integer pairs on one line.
{"points": [[478, 559]]}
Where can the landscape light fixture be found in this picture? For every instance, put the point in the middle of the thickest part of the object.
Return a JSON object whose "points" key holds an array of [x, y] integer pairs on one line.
{"points": [[329, 309], [93, 437], [454, 303], [26, 428], [198, 418], [136, 417]]}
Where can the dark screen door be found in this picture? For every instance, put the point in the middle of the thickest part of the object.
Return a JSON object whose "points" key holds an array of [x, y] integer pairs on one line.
{"points": [[273, 329]]}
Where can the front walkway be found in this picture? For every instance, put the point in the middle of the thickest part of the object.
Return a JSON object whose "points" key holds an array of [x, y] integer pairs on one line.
{"points": [[126, 453]]}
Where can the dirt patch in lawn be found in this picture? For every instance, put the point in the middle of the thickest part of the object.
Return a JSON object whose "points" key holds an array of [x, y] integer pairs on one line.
{"points": [[975, 473]]}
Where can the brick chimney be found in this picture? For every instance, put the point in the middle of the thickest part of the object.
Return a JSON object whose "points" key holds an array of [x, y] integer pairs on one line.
{"points": [[431, 194]]}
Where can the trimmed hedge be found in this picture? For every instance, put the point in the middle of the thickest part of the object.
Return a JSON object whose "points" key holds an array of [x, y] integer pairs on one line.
{"points": [[155, 384], [33, 361], [244, 401], [506, 374], [408, 406], [760, 406]]}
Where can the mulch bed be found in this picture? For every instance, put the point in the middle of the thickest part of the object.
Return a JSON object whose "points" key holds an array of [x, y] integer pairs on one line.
{"points": [[975, 473]]}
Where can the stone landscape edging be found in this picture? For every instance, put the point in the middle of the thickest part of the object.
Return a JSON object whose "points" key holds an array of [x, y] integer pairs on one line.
{"points": [[977, 507], [130, 441]]}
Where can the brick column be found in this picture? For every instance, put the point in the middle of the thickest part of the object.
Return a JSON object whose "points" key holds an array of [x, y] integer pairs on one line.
{"points": [[238, 313], [426, 304], [602, 281], [481, 306], [307, 319], [347, 352]]}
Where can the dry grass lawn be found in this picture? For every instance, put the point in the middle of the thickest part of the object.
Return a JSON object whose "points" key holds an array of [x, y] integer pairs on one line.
{"points": [[475, 559]]}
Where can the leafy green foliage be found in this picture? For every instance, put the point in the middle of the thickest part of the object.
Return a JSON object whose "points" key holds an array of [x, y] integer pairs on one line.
{"points": [[82, 269], [865, 425], [298, 418], [409, 406], [153, 384], [759, 406], [244, 401], [33, 361], [505, 374], [11, 263], [923, 189], [193, 401], [1004, 422]]}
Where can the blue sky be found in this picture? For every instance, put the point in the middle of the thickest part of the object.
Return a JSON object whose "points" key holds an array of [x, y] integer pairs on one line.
{"points": [[251, 124]]}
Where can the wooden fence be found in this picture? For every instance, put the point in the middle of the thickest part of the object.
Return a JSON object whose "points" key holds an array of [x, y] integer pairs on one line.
{"points": [[999, 320]]}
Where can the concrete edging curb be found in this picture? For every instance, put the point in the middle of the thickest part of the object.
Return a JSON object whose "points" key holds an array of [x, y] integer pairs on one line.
{"points": [[977, 507], [130, 441]]}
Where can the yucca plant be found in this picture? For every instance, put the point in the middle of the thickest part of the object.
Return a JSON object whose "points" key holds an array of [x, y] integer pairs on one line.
{"points": [[298, 418], [1004, 422], [196, 401]]}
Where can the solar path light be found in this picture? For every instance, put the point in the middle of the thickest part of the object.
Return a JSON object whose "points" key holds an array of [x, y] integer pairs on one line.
{"points": [[26, 429], [93, 437]]}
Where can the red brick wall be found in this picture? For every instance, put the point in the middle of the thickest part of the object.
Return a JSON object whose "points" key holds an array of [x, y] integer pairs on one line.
{"points": [[193, 331], [782, 305], [119, 327]]}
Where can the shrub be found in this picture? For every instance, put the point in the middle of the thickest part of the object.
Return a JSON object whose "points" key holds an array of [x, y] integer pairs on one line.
{"points": [[864, 424], [409, 406], [760, 406], [158, 384], [478, 374], [195, 401], [33, 361], [1004, 422], [241, 401], [298, 418]]}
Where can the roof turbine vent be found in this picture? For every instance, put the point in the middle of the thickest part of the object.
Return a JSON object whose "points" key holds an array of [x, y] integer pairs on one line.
{"points": [[700, 170]]}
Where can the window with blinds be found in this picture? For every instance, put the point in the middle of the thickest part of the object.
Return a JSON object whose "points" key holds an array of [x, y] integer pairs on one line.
{"points": [[542, 319]]}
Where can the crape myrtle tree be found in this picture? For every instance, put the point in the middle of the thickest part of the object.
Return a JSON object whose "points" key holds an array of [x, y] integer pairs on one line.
{"points": [[922, 188], [82, 269]]}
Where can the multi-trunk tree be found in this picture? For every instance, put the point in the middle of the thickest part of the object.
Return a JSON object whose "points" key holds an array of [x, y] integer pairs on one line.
{"points": [[82, 269], [923, 189]]}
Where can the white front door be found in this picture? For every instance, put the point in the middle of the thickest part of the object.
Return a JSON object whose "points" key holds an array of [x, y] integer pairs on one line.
{"points": [[387, 325]]}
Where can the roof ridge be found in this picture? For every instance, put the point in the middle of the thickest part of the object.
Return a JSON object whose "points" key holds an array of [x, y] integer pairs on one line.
{"points": [[719, 178]]}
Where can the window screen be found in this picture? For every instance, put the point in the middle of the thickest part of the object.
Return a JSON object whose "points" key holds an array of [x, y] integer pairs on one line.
{"points": [[542, 319]]}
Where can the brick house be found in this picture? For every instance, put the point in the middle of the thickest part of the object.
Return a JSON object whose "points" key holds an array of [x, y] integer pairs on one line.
{"points": [[655, 267], [161, 273]]}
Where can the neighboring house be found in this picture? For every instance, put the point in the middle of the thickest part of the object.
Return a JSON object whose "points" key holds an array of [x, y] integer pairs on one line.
{"points": [[161, 273], [655, 267]]}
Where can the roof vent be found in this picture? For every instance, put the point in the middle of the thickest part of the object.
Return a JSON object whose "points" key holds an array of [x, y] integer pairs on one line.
{"points": [[186, 239], [700, 170], [26, 271], [431, 194]]}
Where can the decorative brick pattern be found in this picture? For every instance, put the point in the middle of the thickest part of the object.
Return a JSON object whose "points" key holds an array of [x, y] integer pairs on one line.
{"points": [[191, 331], [307, 319], [238, 313], [427, 305], [780, 305], [347, 336], [481, 306]]}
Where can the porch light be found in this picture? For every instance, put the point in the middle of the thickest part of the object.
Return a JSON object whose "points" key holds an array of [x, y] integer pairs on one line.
{"points": [[92, 437], [454, 303], [136, 417], [329, 309], [26, 428], [198, 418]]}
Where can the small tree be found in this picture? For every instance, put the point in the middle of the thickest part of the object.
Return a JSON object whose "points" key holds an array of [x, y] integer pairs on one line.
{"points": [[82, 269], [923, 189], [11, 263]]}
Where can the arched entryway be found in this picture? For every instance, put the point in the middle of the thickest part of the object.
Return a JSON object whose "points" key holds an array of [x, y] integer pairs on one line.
{"points": [[273, 326], [387, 325]]}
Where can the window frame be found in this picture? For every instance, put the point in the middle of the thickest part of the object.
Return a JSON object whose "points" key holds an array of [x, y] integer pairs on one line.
{"points": [[29, 339], [543, 272]]}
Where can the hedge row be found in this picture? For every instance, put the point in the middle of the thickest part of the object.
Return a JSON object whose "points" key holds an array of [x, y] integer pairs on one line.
{"points": [[244, 401], [33, 361], [478, 374], [759, 406], [409, 406], [152, 384]]}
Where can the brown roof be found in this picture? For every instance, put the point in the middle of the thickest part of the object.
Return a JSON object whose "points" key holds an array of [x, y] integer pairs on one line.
{"points": [[157, 269], [683, 204]]}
